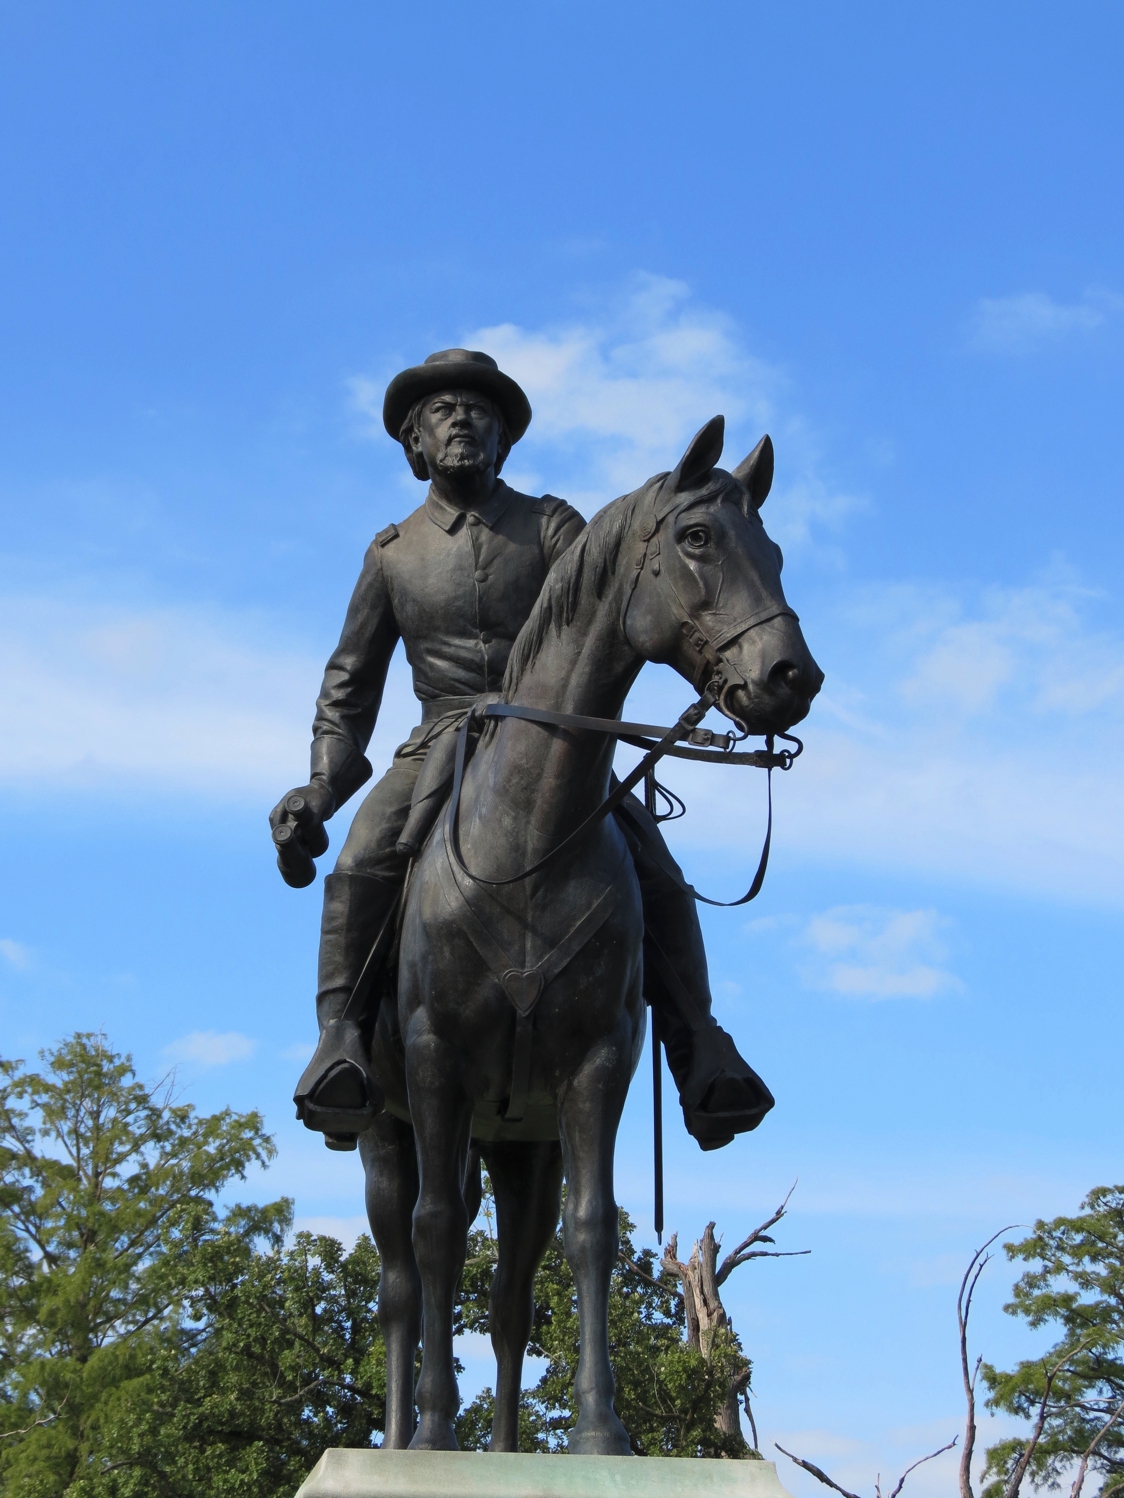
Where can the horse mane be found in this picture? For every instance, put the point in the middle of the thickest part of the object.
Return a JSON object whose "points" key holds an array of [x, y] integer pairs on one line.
{"points": [[593, 556]]}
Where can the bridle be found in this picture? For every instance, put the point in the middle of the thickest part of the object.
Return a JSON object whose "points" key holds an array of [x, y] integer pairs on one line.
{"points": [[714, 676], [711, 665]]}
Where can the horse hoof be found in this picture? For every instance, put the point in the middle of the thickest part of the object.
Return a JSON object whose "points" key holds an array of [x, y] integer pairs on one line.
{"points": [[434, 1435], [607, 1438]]}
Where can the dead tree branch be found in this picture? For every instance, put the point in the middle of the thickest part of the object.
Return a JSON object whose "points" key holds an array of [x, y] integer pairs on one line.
{"points": [[759, 1235], [921, 1462], [35, 1424], [829, 1482], [644, 1275], [816, 1472], [979, 1262]]}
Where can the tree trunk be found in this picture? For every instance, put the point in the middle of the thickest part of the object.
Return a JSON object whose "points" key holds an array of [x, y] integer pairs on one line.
{"points": [[706, 1316]]}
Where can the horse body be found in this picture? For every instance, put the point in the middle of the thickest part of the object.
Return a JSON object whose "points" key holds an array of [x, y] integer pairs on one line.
{"points": [[671, 573]]}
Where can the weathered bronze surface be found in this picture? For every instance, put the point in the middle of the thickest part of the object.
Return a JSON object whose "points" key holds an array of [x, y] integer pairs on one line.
{"points": [[514, 1011]]}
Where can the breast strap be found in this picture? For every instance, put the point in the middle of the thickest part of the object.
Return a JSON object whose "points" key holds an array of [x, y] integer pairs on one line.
{"points": [[523, 986]]}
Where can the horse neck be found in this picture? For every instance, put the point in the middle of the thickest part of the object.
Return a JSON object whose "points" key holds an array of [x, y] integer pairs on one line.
{"points": [[550, 776]]}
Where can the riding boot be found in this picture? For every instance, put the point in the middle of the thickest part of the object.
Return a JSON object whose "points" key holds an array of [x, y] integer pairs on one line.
{"points": [[720, 1093], [337, 1094]]}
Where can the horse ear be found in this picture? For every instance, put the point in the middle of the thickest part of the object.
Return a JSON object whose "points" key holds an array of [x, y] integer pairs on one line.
{"points": [[703, 452], [756, 472]]}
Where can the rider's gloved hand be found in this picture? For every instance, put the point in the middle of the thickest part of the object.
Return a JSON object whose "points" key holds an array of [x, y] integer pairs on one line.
{"points": [[297, 823]]}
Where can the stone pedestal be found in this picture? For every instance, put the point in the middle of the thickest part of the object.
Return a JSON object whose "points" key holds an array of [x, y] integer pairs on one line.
{"points": [[469, 1474]]}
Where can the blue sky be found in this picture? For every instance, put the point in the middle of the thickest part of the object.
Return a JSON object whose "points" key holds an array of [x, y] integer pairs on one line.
{"points": [[889, 235]]}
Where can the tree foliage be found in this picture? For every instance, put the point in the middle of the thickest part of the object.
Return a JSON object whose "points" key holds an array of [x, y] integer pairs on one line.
{"points": [[149, 1342], [1076, 1285], [281, 1357]]}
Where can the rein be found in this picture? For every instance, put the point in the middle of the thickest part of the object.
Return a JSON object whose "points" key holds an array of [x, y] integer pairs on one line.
{"points": [[640, 736]]}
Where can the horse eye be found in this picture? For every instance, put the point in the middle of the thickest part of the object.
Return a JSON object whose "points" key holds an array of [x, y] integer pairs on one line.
{"points": [[697, 536]]}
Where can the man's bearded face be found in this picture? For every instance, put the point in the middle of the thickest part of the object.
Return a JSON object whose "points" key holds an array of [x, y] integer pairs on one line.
{"points": [[458, 432]]}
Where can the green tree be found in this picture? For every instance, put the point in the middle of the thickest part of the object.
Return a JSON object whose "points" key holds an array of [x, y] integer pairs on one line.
{"points": [[279, 1357], [669, 1395], [150, 1342], [1074, 1393], [107, 1187]]}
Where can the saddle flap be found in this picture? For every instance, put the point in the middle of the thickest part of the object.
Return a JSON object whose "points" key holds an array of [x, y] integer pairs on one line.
{"points": [[523, 988]]}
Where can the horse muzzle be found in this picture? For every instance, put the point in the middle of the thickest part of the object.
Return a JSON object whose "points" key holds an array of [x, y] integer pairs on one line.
{"points": [[771, 701]]}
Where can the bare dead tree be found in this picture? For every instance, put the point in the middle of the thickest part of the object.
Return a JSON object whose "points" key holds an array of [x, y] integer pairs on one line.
{"points": [[819, 1473], [701, 1278], [979, 1262]]}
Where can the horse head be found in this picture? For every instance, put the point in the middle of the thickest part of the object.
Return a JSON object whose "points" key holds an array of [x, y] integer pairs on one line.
{"points": [[706, 595]]}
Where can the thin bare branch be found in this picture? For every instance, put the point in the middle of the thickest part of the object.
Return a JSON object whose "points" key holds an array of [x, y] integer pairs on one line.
{"points": [[659, 1284], [7, 1434], [815, 1471], [1079, 1480], [747, 1405], [774, 1253], [976, 1267], [920, 1463], [734, 1258]]}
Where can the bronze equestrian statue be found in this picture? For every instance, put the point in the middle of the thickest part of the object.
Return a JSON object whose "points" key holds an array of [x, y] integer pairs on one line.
{"points": [[525, 953]]}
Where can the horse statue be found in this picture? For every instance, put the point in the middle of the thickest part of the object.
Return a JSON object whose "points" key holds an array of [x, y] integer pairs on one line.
{"points": [[519, 1019]]}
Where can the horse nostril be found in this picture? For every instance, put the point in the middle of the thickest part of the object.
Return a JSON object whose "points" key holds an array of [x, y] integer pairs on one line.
{"points": [[785, 675]]}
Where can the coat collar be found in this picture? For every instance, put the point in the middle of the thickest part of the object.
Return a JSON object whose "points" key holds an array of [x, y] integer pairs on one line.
{"points": [[447, 516]]}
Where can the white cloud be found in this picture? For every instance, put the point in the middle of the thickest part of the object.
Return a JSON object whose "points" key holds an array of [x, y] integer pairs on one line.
{"points": [[300, 1051], [1021, 324], [868, 953], [192, 697], [96, 694], [1032, 641], [633, 387], [15, 953], [209, 1048], [617, 397]]}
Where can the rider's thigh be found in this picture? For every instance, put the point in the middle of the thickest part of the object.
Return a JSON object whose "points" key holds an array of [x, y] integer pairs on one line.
{"points": [[370, 844]]}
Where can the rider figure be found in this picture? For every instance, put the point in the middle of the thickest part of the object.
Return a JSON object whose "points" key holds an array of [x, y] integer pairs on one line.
{"points": [[455, 582]]}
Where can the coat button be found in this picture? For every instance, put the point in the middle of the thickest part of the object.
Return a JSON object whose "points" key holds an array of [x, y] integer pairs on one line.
{"points": [[474, 520], [480, 576], [485, 638]]}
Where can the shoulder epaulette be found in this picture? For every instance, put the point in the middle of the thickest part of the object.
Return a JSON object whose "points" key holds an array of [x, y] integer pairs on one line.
{"points": [[386, 536], [548, 504]]}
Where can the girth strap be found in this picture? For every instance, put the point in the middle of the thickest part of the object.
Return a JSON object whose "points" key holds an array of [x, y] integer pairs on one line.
{"points": [[523, 986]]}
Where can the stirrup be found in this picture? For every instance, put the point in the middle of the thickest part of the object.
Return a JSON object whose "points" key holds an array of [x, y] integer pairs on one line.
{"points": [[337, 1096]]}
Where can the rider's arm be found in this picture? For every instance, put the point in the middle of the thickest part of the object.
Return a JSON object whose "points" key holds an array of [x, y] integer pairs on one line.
{"points": [[353, 681]]}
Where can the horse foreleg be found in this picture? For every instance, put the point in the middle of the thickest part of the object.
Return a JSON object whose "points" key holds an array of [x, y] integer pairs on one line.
{"points": [[527, 1181], [442, 1115], [588, 1115], [390, 1164]]}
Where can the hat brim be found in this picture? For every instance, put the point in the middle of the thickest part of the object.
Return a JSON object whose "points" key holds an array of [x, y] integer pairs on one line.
{"points": [[427, 379]]}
